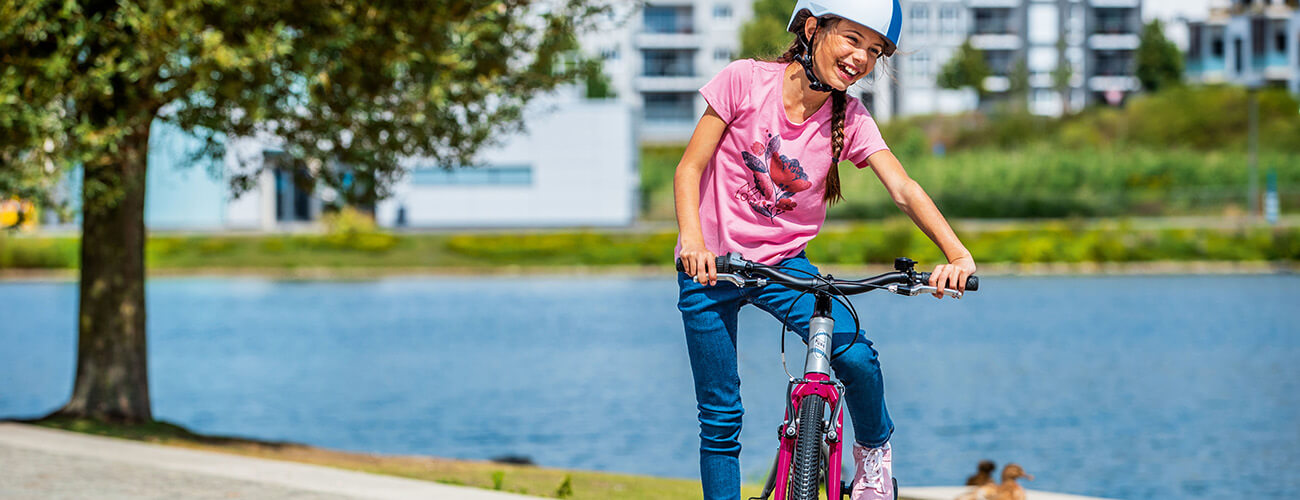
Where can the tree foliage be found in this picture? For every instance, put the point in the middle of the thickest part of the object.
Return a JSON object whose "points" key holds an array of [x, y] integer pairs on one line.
{"points": [[1159, 62], [348, 89], [966, 68], [351, 87], [764, 36]]}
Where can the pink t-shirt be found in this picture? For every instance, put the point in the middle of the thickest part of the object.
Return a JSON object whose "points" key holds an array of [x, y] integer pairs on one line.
{"points": [[761, 194]]}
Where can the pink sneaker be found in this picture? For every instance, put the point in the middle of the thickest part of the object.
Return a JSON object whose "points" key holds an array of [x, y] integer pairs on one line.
{"points": [[875, 477]]}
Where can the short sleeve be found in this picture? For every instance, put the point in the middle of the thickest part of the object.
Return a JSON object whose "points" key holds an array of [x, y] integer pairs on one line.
{"points": [[727, 91], [863, 139]]}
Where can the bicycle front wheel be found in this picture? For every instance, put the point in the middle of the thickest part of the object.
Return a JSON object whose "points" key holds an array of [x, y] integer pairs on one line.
{"points": [[805, 470]]}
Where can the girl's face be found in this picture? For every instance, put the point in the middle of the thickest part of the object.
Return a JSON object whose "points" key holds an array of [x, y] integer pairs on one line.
{"points": [[844, 52]]}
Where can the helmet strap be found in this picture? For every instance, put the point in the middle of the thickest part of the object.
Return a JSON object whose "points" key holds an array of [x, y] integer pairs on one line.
{"points": [[806, 59]]}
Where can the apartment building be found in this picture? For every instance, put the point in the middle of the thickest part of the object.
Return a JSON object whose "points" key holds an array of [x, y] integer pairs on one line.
{"points": [[660, 53], [1247, 42], [1097, 39]]}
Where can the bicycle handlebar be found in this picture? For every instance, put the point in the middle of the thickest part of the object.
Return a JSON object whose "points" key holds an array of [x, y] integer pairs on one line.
{"points": [[735, 269]]}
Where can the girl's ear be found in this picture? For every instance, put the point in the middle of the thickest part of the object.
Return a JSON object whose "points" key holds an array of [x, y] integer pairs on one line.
{"points": [[809, 28]]}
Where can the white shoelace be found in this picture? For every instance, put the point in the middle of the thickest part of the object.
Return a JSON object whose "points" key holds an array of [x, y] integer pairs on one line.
{"points": [[873, 472]]}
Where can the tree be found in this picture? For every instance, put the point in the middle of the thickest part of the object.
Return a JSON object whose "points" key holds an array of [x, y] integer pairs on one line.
{"points": [[764, 35], [1063, 73], [1159, 62], [966, 68], [350, 87], [1018, 89]]}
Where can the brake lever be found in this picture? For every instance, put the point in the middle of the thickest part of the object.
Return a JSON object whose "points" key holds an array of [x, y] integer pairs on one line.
{"points": [[912, 291], [741, 281]]}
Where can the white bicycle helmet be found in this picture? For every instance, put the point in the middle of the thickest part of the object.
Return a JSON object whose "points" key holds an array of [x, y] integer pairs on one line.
{"points": [[883, 16]]}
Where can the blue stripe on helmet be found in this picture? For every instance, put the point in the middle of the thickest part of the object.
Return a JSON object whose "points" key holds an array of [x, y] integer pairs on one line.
{"points": [[895, 23]]}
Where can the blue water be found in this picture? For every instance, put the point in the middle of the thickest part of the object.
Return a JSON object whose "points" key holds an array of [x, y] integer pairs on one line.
{"points": [[1125, 387]]}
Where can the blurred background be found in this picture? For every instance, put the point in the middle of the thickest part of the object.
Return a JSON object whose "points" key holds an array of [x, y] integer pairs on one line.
{"points": [[492, 279]]}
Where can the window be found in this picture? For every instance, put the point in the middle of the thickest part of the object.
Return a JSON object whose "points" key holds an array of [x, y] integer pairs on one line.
{"points": [[1194, 40], [722, 11], [992, 21], [660, 19], [948, 20], [1236, 53], [669, 106], [1280, 41], [1114, 21], [723, 54], [609, 53], [919, 19], [1216, 47], [999, 62], [1114, 63], [502, 175], [662, 62], [293, 187], [918, 65]]}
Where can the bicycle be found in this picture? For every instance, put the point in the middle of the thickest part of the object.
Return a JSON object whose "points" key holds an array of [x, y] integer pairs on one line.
{"points": [[810, 450]]}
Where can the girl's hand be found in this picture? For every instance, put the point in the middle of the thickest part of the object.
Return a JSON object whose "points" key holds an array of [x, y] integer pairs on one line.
{"points": [[700, 263], [952, 275]]}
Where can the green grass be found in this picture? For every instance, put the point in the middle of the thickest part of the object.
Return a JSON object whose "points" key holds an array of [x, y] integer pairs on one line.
{"points": [[877, 242], [1036, 180]]}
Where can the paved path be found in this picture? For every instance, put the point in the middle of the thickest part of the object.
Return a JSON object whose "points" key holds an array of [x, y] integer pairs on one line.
{"points": [[41, 463]]}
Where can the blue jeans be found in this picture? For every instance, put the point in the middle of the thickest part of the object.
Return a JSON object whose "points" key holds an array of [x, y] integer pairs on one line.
{"points": [[709, 315]]}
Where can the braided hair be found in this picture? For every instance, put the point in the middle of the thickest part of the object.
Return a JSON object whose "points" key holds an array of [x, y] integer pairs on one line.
{"points": [[838, 104]]}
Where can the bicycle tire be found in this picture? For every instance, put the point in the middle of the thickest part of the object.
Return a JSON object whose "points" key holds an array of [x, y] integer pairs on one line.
{"points": [[805, 469]]}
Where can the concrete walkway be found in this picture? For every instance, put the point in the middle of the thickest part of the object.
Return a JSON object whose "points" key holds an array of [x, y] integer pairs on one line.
{"points": [[40, 463]]}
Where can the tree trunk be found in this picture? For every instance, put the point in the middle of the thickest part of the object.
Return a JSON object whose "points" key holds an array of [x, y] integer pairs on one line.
{"points": [[112, 381]]}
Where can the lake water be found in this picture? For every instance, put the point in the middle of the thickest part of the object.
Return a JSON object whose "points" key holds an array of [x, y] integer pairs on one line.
{"points": [[1125, 387]]}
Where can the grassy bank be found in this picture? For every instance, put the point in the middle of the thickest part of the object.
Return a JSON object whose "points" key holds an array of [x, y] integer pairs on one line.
{"points": [[1050, 242], [1037, 180], [1179, 152], [531, 480]]}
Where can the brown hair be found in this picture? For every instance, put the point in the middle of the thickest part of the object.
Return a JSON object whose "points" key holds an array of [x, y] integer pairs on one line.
{"points": [[838, 103]]}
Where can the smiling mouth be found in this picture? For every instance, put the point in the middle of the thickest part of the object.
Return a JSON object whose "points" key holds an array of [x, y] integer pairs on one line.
{"points": [[847, 70]]}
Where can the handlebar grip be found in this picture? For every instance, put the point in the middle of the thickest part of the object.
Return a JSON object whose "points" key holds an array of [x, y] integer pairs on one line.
{"points": [[723, 264], [972, 282]]}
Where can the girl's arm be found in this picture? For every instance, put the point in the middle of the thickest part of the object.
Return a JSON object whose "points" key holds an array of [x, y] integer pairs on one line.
{"points": [[696, 258], [909, 197]]}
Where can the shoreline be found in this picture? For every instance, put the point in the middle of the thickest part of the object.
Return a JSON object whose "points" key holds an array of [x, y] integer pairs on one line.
{"points": [[1151, 268]]}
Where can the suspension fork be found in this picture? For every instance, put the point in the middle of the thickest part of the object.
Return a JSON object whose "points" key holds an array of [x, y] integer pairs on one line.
{"points": [[816, 380]]}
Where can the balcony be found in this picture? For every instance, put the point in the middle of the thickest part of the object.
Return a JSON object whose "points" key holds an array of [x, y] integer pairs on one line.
{"points": [[996, 42], [669, 83], [667, 40], [1121, 83], [669, 19], [1125, 41], [1117, 3]]}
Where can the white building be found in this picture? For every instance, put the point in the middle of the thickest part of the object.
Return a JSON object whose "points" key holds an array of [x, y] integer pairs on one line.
{"points": [[660, 54], [1096, 38], [1247, 43], [575, 165]]}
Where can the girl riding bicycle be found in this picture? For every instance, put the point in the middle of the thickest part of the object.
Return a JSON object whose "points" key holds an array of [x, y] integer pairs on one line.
{"points": [[755, 179]]}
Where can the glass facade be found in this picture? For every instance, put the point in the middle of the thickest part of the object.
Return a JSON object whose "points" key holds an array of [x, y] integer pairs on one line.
{"points": [[496, 175], [669, 106]]}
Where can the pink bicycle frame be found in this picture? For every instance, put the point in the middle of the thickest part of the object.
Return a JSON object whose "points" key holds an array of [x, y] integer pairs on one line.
{"points": [[819, 384]]}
